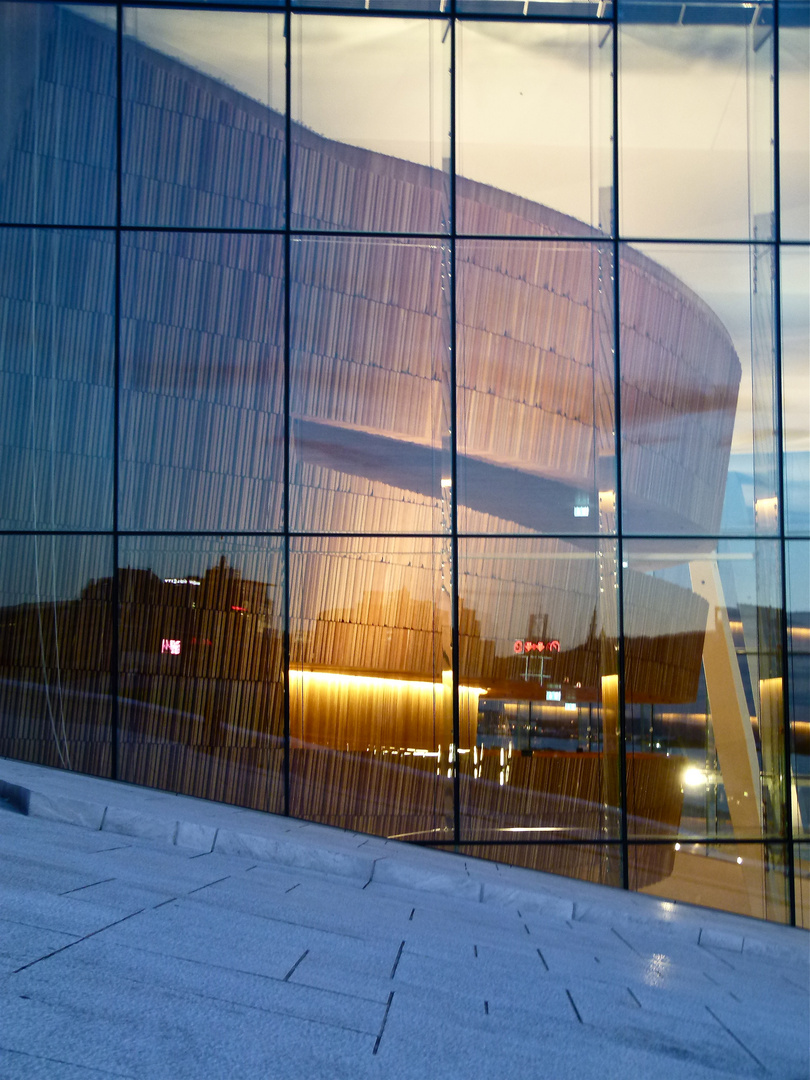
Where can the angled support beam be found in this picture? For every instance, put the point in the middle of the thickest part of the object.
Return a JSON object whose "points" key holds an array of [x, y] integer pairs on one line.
{"points": [[731, 723]]}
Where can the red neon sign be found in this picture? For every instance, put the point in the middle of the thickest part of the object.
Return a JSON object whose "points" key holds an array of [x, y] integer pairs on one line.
{"points": [[537, 646]]}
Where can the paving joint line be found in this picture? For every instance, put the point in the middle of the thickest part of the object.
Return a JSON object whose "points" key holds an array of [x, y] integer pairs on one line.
{"points": [[396, 962], [73, 1064], [384, 1020], [295, 965], [574, 1007], [737, 1040], [632, 948], [86, 937], [207, 885], [92, 885]]}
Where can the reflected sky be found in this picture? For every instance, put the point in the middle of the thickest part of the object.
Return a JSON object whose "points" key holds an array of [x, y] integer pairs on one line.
{"points": [[697, 76], [701, 78]]}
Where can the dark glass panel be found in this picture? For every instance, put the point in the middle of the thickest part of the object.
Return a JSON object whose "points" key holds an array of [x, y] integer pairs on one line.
{"points": [[535, 395], [704, 687], [696, 126], [55, 636], [747, 879], [201, 382], [539, 695], [371, 713], [200, 682], [698, 399], [57, 291], [534, 117], [203, 119], [57, 114], [370, 386], [370, 105], [797, 553], [795, 290]]}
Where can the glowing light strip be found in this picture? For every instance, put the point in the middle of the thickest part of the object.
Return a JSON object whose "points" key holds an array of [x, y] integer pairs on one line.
{"points": [[381, 681]]}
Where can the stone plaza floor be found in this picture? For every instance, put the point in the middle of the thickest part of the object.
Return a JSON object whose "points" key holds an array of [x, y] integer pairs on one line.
{"points": [[149, 935]]}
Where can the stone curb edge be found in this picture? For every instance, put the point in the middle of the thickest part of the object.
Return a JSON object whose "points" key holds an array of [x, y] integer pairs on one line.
{"points": [[284, 852]]}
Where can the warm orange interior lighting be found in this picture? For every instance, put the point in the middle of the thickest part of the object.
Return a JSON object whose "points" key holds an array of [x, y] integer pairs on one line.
{"points": [[381, 681]]}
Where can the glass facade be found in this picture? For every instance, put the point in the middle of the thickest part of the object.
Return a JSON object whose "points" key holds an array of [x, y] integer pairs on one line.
{"points": [[407, 422]]}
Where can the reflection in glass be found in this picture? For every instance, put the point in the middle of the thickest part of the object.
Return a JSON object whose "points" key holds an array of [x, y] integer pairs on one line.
{"points": [[201, 382], [592, 8], [695, 130], [534, 115], [200, 681], [56, 365], [535, 394], [55, 637], [374, 5], [585, 862], [539, 723], [202, 137], [229, 355], [57, 114], [378, 84], [371, 687], [798, 666], [794, 123], [801, 882], [370, 386], [704, 685], [748, 879], [795, 283], [699, 453]]}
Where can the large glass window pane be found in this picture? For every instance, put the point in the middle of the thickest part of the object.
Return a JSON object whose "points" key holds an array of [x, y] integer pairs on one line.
{"points": [[55, 635], [698, 397], [370, 386], [587, 862], [201, 382], [801, 880], [535, 394], [203, 124], [371, 689], [798, 666], [57, 114], [57, 298], [557, 9], [534, 118], [370, 143], [200, 678], [375, 5], [795, 284], [747, 879], [539, 699], [794, 122], [696, 125], [704, 692]]}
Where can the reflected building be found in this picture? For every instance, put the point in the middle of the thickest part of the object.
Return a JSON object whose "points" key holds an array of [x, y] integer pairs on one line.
{"points": [[337, 486]]}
